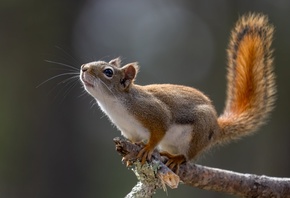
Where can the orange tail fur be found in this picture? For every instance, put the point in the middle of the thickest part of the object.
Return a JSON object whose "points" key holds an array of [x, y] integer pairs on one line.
{"points": [[251, 81]]}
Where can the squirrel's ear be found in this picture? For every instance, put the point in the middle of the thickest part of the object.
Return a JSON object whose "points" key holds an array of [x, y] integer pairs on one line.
{"points": [[116, 62], [130, 71]]}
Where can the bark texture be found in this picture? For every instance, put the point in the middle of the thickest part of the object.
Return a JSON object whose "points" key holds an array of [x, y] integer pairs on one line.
{"points": [[155, 175]]}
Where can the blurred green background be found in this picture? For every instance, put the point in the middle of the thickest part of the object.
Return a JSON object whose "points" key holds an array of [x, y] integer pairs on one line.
{"points": [[55, 142]]}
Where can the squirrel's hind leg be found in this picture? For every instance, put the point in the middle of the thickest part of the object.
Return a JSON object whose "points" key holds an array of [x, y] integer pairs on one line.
{"points": [[174, 161]]}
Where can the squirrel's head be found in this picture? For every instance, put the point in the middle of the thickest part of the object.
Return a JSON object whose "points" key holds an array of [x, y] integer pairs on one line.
{"points": [[108, 78]]}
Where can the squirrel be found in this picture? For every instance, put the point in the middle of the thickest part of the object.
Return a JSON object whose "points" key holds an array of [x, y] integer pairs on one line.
{"points": [[180, 120]]}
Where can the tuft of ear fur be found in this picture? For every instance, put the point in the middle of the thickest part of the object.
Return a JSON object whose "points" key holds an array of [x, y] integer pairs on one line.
{"points": [[116, 62], [130, 72]]}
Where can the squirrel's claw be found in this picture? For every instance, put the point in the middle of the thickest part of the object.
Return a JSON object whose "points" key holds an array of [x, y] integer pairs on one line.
{"points": [[174, 161], [145, 154]]}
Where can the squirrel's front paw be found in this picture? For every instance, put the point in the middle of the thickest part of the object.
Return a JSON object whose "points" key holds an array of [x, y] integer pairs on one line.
{"points": [[145, 154]]}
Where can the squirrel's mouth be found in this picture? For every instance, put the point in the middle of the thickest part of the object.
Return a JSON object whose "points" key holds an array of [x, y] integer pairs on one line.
{"points": [[87, 84], [86, 80]]}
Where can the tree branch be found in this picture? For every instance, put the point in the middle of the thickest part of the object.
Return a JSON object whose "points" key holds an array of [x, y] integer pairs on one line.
{"points": [[156, 175]]}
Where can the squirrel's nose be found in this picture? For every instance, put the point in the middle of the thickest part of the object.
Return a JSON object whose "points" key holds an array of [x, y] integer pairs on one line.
{"points": [[84, 67]]}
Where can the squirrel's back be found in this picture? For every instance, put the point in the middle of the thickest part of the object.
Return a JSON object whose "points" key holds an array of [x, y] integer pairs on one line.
{"points": [[251, 81]]}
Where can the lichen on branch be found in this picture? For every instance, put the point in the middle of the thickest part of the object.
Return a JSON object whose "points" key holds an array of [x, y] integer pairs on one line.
{"points": [[155, 175]]}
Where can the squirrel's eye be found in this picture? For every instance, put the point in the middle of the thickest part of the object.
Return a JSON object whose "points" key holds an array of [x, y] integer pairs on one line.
{"points": [[108, 72]]}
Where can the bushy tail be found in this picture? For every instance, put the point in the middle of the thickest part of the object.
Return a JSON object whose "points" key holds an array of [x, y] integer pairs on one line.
{"points": [[251, 81]]}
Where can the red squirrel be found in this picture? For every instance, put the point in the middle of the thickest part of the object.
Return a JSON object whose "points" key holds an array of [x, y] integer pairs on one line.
{"points": [[181, 121]]}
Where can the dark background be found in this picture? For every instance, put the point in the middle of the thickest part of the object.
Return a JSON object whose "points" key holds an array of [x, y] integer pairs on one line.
{"points": [[55, 142]]}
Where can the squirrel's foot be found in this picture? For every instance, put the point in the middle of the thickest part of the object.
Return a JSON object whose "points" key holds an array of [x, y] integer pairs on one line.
{"points": [[145, 154], [173, 161], [129, 158]]}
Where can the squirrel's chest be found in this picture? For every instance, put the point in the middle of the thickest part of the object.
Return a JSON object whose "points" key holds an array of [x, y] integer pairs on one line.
{"points": [[130, 127]]}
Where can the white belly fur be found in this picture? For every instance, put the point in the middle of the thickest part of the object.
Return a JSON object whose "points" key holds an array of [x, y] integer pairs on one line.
{"points": [[176, 140], [126, 123]]}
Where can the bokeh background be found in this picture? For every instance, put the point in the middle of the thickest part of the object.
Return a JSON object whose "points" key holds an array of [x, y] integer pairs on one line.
{"points": [[55, 142]]}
